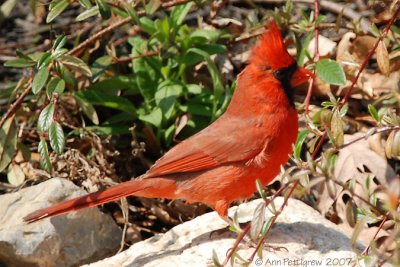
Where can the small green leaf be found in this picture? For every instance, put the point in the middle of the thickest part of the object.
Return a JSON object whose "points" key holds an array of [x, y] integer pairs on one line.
{"points": [[85, 3], [58, 53], [19, 63], [107, 100], [87, 109], [299, 143], [44, 60], [331, 72], [45, 162], [59, 42], [152, 6], [57, 140], [166, 96], [76, 64], [93, 11], [46, 118], [258, 221], [8, 142], [132, 13], [179, 13], [104, 9], [194, 88], [40, 80], [56, 10], [374, 113], [100, 66], [155, 117], [55, 85]]}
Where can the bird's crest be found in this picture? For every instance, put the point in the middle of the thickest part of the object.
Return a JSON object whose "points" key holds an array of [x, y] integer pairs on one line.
{"points": [[271, 50]]}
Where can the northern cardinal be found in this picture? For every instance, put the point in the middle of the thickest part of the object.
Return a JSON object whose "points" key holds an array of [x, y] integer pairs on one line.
{"points": [[221, 163]]}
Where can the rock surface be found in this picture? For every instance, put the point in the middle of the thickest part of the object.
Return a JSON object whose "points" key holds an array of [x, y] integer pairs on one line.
{"points": [[66, 240], [306, 239]]}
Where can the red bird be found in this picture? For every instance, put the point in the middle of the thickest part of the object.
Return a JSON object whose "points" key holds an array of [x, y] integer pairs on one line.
{"points": [[221, 164]]}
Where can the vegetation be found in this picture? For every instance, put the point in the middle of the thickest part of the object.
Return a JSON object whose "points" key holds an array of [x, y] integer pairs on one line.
{"points": [[97, 90]]}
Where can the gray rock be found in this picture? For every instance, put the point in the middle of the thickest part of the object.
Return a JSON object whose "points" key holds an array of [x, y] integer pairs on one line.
{"points": [[306, 239], [67, 240]]}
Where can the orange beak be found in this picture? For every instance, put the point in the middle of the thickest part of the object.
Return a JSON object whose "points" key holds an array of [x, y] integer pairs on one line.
{"points": [[300, 76]]}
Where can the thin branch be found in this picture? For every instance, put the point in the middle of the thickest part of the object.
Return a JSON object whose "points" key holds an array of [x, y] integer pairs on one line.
{"points": [[13, 108]]}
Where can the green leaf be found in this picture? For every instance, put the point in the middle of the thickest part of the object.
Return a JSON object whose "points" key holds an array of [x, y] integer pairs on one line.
{"points": [[299, 143], [155, 117], [212, 68], [147, 25], [100, 66], [331, 72], [209, 35], [57, 140], [15, 175], [76, 64], [104, 9], [301, 56], [152, 6], [93, 11], [132, 13], [374, 113], [258, 221], [166, 98], [46, 118], [87, 109], [55, 85], [85, 3], [40, 80], [56, 10], [58, 53], [107, 100], [59, 42], [8, 142], [19, 63], [146, 70], [194, 88], [45, 162], [179, 13], [109, 129], [44, 60], [117, 83], [6, 7]]}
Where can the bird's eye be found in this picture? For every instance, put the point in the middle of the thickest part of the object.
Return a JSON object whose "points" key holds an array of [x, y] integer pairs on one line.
{"points": [[280, 74]]}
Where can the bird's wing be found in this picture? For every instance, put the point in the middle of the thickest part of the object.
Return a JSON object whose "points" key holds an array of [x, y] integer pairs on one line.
{"points": [[227, 140]]}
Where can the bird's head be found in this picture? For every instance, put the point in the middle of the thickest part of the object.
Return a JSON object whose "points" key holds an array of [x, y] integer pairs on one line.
{"points": [[271, 54]]}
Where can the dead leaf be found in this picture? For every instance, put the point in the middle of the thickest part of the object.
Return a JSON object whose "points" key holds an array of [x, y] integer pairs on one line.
{"points": [[361, 46], [382, 58], [15, 175], [326, 47]]}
